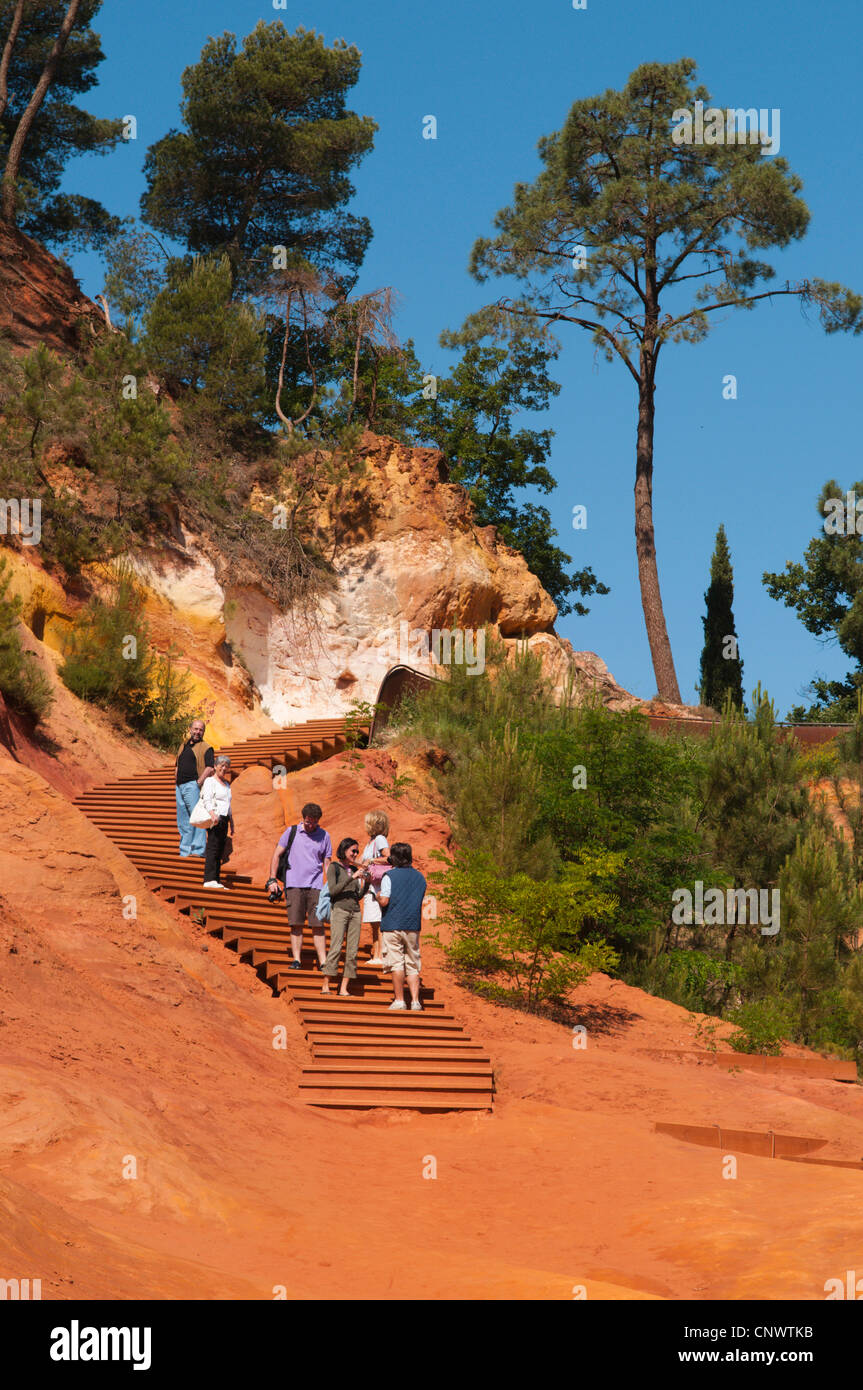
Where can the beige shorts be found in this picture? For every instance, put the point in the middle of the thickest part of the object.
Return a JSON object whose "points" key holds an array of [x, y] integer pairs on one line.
{"points": [[402, 951]]}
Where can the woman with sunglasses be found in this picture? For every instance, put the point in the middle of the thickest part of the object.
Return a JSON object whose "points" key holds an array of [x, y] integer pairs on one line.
{"points": [[347, 881]]}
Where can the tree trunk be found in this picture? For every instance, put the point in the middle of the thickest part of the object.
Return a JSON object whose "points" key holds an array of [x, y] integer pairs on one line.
{"points": [[648, 574], [16, 149], [7, 55]]}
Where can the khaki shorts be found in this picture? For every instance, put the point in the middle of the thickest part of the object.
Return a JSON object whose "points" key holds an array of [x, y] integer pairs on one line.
{"points": [[302, 901], [402, 951]]}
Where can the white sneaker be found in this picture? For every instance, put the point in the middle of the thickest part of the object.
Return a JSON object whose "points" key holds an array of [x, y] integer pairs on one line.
{"points": [[398, 1004], [213, 884], [416, 1006]]}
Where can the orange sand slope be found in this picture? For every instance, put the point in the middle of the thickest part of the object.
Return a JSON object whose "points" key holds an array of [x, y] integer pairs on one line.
{"points": [[154, 1143]]}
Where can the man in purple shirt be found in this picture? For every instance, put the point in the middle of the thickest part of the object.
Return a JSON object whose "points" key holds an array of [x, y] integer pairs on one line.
{"points": [[305, 875]]}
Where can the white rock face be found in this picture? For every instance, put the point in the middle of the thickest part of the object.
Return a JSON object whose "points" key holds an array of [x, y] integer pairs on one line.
{"points": [[188, 582]]}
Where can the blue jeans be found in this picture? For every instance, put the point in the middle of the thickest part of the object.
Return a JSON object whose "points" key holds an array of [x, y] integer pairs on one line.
{"points": [[193, 838]]}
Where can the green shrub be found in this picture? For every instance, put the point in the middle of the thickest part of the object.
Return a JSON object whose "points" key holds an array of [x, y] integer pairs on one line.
{"points": [[691, 978], [167, 714], [106, 654], [762, 1027], [109, 662], [22, 684], [517, 935]]}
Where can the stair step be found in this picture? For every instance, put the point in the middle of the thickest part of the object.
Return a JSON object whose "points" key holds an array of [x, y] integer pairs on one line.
{"points": [[395, 1081], [398, 1100], [357, 1010], [398, 1066], [470, 1053]]}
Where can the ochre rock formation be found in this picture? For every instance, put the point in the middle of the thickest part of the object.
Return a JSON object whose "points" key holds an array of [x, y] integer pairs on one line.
{"points": [[408, 562], [40, 299]]}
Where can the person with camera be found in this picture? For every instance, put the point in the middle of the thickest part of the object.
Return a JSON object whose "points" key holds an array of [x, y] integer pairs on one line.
{"points": [[347, 881]]}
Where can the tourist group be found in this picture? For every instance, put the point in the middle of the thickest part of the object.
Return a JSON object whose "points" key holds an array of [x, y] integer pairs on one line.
{"points": [[379, 886]]}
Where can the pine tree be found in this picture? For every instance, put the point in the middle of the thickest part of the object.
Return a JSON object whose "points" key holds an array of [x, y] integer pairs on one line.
{"points": [[264, 156], [199, 339], [721, 667], [50, 55], [753, 801], [623, 214]]}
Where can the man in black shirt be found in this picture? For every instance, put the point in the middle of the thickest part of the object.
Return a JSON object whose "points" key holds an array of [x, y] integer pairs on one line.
{"points": [[193, 759]]}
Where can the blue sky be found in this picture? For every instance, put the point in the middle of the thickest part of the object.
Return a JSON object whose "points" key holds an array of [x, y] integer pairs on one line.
{"points": [[498, 75]]}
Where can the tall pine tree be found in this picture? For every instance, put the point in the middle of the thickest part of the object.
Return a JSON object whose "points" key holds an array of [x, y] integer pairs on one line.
{"points": [[49, 56], [721, 666]]}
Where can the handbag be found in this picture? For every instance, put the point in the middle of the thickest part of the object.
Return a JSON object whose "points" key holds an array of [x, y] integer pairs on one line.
{"points": [[201, 817], [376, 873]]}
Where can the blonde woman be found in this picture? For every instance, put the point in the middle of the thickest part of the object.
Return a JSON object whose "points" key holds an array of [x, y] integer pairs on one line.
{"points": [[375, 854]]}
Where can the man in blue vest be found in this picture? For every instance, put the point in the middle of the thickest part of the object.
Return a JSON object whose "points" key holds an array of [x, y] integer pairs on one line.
{"points": [[401, 898]]}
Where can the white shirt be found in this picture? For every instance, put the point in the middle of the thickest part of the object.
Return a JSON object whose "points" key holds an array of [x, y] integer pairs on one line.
{"points": [[375, 848], [216, 796]]}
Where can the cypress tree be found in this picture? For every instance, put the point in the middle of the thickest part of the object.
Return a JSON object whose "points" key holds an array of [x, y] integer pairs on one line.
{"points": [[721, 666]]}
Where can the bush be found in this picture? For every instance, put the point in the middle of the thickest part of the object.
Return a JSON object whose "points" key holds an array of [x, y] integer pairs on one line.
{"points": [[518, 938], [22, 684], [109, 663], [762, 1027], [106, 650], [510, 785], [691, 978]]}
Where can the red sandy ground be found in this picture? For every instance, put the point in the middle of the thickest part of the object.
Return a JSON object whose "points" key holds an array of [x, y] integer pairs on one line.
{"points": [[143, 1038]]}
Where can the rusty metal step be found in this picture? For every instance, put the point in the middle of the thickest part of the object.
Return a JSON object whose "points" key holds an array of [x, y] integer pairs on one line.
{"points": [[402, 1100]]}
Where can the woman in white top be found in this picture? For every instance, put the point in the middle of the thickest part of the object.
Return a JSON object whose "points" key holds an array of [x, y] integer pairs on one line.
{"points": [[377, 825], [216, 796]]}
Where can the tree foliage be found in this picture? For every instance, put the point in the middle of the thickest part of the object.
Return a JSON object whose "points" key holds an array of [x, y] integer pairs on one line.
{"points": [[472, 422], [264, 156], [826, 592], [201, 340]]}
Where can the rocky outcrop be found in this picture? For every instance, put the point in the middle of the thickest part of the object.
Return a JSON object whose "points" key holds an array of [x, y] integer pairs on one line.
{"points": [[409, 567], [409, 563]]}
